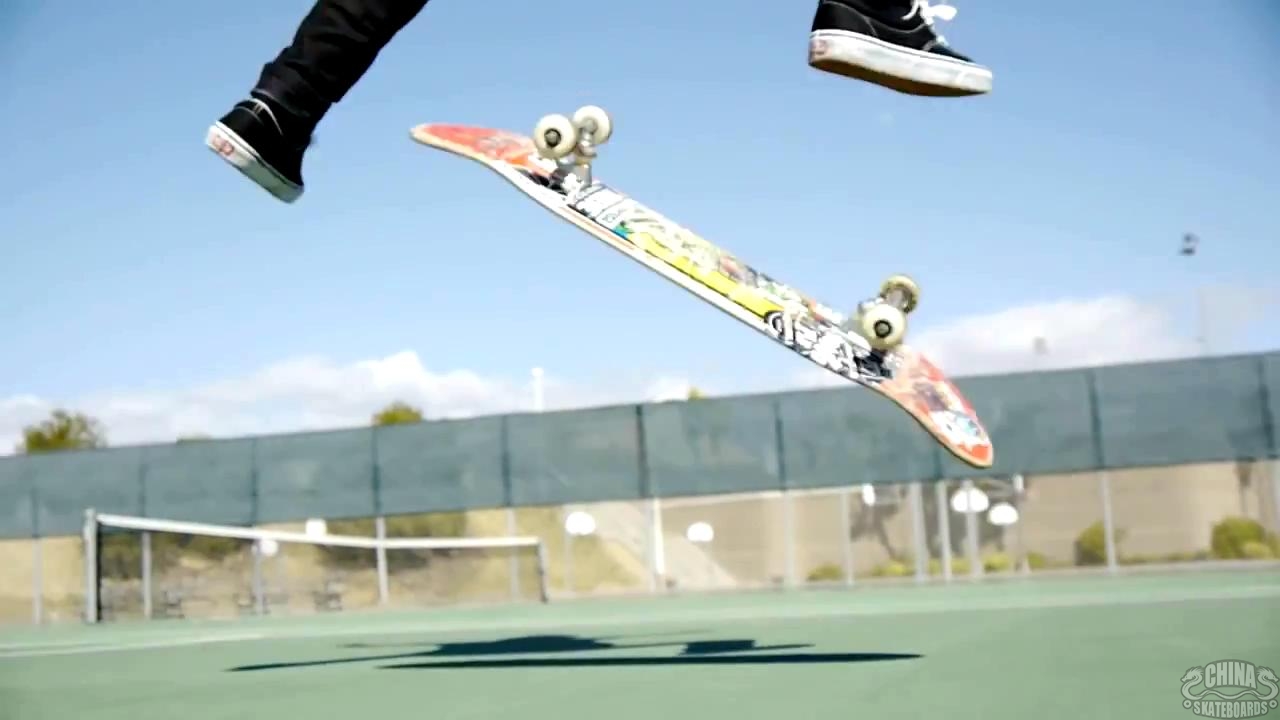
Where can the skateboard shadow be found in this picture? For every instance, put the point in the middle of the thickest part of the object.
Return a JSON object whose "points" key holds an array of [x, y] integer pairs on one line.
{"points": [[581, 651], [523, 644]]}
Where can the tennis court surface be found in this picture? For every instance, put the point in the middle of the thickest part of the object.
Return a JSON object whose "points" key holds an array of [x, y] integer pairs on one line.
{"points": [[1046, 649]]}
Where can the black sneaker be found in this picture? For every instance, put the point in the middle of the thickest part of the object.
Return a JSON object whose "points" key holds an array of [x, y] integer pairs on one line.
{"points": [[892, 44], [266, 143]]}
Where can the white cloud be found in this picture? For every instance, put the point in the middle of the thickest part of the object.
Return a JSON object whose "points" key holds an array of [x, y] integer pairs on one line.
{"points": [[317, 393], [1076, 333], [311, 393]]}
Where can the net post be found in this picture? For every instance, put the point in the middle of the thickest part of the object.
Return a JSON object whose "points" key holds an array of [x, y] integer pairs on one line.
{"points": [[544, 594], [513, 565], [259, 593], [89, 536], [146, 574], [657, 547], [380, 532]]}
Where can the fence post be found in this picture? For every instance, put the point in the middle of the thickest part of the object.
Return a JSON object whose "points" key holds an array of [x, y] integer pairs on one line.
{"points": [[1275, 495], [1100, 462], [508, 498], [788, 502], [379, 521], [37, 581], [846, 534], [37, 556], [1273, 449], [920, 544], [145, 539], [944, 526], [255, 502], [644, 480], [971, 531], [1108, 520]]}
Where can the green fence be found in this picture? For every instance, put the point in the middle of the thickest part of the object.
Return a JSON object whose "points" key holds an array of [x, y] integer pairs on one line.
{"points": [[1152, 414]]}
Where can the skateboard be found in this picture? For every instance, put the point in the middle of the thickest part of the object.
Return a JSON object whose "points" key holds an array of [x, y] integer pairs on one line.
{"points": [[554, 168]]}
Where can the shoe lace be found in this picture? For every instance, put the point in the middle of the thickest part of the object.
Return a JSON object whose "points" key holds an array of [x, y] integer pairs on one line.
{"points": [[261, 107], [928, 12]]}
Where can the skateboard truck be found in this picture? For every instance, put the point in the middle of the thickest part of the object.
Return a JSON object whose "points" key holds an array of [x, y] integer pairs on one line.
{"points": [[882, 320], [573, 141]]}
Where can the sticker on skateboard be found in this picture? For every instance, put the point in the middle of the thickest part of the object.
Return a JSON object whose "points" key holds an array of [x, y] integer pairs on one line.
{"points": [[553, 167]]}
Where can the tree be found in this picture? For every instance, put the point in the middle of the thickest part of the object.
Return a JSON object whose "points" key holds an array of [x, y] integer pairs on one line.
{"points": [[63, 431], [397, 413], [695, 393]]}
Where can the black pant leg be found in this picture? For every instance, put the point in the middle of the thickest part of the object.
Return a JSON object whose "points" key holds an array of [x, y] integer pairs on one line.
{"points": [[334, 46]]}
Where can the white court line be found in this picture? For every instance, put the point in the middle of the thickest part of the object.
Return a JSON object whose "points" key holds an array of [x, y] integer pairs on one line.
{"points": [[757, 614], [748, 613], [41, 644], [128, 646]]}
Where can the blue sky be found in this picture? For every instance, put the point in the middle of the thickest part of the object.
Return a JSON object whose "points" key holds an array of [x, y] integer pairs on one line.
{"points": [[135, 260]]}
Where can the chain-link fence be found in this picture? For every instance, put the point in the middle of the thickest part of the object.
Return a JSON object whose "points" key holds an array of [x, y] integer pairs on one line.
{"points": [[1175, 517]]}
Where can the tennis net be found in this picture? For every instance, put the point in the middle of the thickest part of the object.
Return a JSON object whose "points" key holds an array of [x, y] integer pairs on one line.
{"points": [[153, 568]]}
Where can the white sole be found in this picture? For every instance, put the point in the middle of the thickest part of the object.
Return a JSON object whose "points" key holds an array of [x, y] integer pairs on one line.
{"points": [[228, 146], [911, 71]]}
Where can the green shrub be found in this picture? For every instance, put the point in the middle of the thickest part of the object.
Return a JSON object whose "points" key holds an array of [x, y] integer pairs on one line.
{"points": [[827, 572], [1173, 557], [1091, 545], [1231, 534], [997, 562], [1038, 561], [1254, 550], [893, 568], [959, 565]]}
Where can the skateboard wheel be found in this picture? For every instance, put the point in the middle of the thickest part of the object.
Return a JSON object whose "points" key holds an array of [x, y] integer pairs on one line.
{"points": [[901, 291], [555, 136], [883, 326], [593, 121]]}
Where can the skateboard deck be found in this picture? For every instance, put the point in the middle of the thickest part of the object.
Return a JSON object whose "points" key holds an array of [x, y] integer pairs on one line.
{"points": [[789, 317]]}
